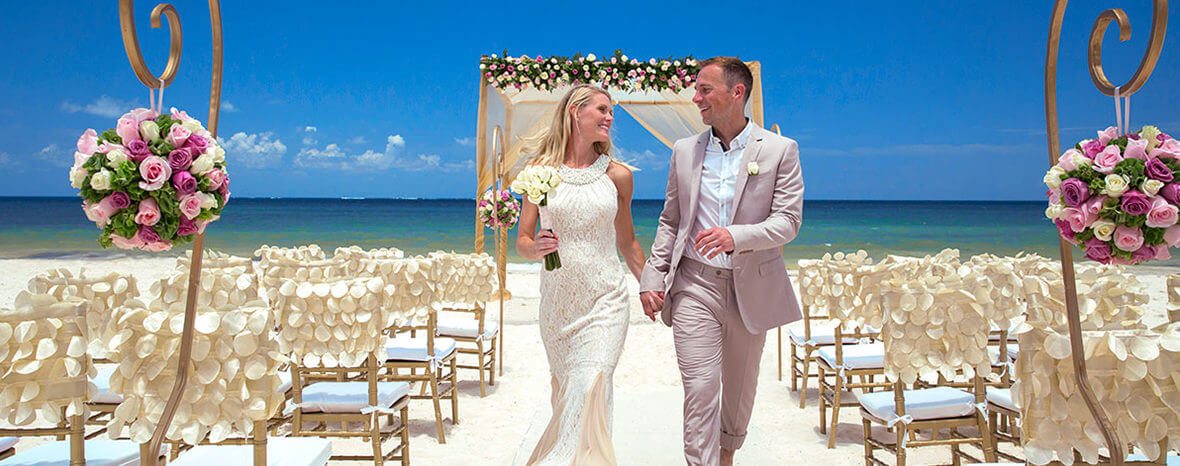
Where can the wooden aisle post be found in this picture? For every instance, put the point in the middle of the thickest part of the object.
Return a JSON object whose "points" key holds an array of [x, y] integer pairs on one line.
{"points": [[1158, 27], [149, 454], [501, 241]]}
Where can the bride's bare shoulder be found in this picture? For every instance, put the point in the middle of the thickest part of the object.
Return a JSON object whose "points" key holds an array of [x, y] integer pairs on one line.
{"points": [[620, 174]]}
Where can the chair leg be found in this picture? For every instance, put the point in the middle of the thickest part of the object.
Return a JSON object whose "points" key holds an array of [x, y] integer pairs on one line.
{"points": [[868, 445], [794, 369], [406, 435], [988, 444], [454, 390], [483, 386], [492, 361], [437, 408], [806, 375], [839, 389], [375, 438], [823, 401], [901, 431]]}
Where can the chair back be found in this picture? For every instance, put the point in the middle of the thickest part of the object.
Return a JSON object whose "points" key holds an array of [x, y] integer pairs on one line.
{"points": [[103, 293]]}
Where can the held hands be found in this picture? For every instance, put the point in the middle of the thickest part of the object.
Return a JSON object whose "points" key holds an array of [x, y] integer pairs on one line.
{"points": [[652, 301], [545, 243], [713, 241]]}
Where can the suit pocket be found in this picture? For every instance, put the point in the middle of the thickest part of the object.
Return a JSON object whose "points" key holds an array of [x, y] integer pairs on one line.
{"points": [[772, 267]]}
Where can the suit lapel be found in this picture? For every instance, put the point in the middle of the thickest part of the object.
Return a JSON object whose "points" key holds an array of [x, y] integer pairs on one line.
{"points": [[750, 154], [694, 177]]}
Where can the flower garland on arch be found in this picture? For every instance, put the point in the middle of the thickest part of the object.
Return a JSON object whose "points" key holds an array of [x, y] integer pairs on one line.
{"points": [[618, 71]]}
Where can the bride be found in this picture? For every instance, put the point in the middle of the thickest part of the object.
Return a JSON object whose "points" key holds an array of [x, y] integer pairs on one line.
{"points": [[585, 302]]}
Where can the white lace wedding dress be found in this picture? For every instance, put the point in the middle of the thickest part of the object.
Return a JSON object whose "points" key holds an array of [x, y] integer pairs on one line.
{"points": [[583, 318]]}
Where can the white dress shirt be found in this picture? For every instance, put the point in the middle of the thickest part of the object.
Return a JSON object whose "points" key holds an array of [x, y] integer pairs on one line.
{"points": [[718, 181]]}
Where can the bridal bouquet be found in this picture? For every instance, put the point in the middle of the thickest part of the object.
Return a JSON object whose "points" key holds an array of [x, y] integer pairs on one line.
{"points": [[498, 208], [153, 181], [536, 182], [1117, 197]]}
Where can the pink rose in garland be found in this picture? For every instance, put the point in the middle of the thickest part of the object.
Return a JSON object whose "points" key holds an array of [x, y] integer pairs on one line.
{"points": [[1117, 197], [138, 184]]}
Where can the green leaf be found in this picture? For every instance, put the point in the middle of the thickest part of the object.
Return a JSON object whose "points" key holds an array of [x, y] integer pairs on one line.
{"points": [[111, 136], [1153, 236], [104, 238], [1085, 235]]}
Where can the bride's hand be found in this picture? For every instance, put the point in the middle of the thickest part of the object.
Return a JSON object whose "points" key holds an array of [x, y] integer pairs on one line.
{"points": [[545, 243]]}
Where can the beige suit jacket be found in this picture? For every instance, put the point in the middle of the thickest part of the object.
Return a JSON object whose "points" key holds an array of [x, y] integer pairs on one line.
{"points": [[767, 214]]}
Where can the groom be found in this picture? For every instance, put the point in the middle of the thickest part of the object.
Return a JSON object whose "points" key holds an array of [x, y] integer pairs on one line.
{"points": [[735, 197]]}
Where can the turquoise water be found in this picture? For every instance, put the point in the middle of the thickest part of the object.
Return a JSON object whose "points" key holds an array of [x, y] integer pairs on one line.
{"points": [[54, 227]]}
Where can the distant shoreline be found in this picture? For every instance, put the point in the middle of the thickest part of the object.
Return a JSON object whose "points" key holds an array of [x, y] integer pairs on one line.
{"points": [[464, 199]]}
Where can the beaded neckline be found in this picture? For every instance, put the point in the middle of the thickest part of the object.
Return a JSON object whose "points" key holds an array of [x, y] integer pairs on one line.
{"points": [[584, 175]]}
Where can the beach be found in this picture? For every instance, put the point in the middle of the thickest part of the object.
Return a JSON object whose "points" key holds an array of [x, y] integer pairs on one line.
{"points": [[502, 428]]}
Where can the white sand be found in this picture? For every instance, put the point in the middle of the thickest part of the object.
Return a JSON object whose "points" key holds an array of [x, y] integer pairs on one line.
{"points": [[501, 428]]}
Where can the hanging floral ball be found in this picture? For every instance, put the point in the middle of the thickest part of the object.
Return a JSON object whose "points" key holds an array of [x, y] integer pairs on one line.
{"points": [[152, 182], [498, 208]]}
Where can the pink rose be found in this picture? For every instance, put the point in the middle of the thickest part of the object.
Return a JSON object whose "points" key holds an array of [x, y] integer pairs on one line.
{"points": [[155, 172], [1162, 214], [1162, 252], [102, 212], [1158, 153], [190, 206], [128, 129], [88, 143], [216, 179], [1171, 192], [1105, 161], [149, 212], [178, 135], [1143, 254], [1171, 145], [187, 227], [1066, 231], [159, 246], [1076, 219], [1098, 250], [1066, 160], [137, 151], [181, 115], [1092, 207], [184, 182], [1092, 147], [109, 146], [1128, 238], [1107, 134], [197, 143], [124, 243], [1136, 149], [142, 114], [1172, 236]]}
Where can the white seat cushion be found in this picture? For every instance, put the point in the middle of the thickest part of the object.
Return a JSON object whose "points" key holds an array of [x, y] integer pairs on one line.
{"points": [[466, 327], [285, 378], [1013, 352], [867, 356], [280, 451], [350, 397], [405, 348], [98, 453], [1001, 397], [7, 443], [103, 381], [822, 333], [927, 403]]}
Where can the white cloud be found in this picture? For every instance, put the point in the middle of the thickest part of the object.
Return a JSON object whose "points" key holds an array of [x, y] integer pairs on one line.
{"points": [[228, 107], [104, 106], [332, 156], [465, 142], [357, 140], [309, 135], [645, 159], [256, 150], [5, 160], [56, 155]]}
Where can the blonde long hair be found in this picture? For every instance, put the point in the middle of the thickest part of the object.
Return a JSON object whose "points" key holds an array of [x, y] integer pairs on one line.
{"points": [[549, 144]]}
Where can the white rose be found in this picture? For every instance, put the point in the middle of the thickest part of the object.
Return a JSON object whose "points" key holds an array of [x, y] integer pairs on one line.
{"points": [[651, 61], [1053, 177], [202, 165], [1054, 211], [101, 181], [1081, 160], [77, 176], [1104, 229], [554, 180], [207, 200], [624, 57], [591, 57], [194, 126], [116, 157], [149, 130], [1151, 187], [1116, 185]]}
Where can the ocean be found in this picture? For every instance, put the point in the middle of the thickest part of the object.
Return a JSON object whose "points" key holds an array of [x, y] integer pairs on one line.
{"points": [[48, 227]]}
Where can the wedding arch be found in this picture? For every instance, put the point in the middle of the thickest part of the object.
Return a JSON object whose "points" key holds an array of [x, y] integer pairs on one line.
{"points": [[517, 94]]}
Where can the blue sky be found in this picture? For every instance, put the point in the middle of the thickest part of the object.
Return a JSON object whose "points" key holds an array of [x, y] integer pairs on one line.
{"points": [[926, 100]]}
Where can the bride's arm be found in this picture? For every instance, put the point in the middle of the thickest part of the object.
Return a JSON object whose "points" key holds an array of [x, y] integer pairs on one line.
{"points": [[625, 239], [529, 243]]}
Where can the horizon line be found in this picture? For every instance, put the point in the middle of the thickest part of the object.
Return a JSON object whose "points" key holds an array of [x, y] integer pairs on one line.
{"points": [[365, 198]]}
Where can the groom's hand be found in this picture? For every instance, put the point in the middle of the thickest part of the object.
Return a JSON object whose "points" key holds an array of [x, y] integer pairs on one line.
{"points": [[714, 241], [652, 301]]}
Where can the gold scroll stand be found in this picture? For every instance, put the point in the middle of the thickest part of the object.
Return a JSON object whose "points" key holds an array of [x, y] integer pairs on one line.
{"points": [[149, 453], [501, 239], [1159, 24]]}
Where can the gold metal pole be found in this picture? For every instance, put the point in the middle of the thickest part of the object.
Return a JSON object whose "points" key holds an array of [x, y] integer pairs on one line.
{"points": [[150, 455], [1146, 66], [481, 155], [501, 241]]}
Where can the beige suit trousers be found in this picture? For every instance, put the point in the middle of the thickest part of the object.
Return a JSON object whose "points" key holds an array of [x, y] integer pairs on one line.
{"points": [[718, 359]]}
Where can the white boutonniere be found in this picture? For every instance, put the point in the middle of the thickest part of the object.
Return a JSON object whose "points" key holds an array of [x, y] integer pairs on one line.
{"points": [[752, 168]]}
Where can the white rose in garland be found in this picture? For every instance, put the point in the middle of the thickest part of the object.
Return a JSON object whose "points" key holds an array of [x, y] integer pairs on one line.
{"points": [[152, 182]]}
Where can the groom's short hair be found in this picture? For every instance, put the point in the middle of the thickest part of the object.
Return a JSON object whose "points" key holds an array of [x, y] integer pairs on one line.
{"points": [[735, 70]]}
